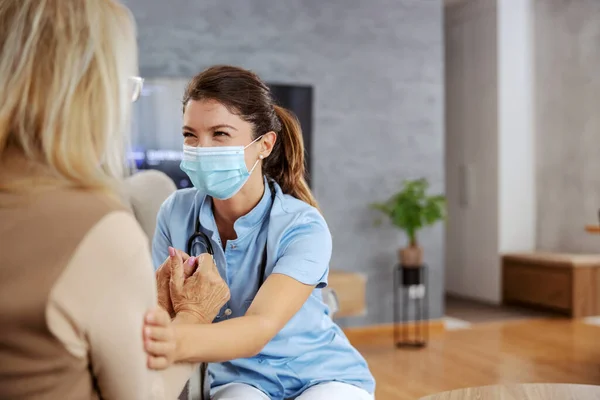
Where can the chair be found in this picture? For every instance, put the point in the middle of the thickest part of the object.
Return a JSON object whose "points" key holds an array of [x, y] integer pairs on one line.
{"points": [[144, 192]]}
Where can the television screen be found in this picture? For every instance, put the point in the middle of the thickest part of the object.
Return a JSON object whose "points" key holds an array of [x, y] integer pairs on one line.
{"points": [[157, 120]]}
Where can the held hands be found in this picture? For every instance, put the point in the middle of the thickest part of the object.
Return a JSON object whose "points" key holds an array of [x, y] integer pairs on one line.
{"points": [[163, 277], [189, 289], [191, 285], [202, 295]]}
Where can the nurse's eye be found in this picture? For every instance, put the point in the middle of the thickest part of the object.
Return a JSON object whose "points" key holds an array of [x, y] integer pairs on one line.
{"points": [[220, 134], [188, 134]]}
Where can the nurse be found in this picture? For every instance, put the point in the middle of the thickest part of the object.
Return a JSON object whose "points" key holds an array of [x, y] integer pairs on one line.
{"points": [[274, 338]]}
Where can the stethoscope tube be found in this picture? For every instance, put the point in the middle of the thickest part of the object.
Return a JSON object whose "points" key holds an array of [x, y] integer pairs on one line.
{"points": [[199, 234], [209, 248]]}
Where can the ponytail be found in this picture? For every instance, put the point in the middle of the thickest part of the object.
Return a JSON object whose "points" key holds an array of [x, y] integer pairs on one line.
{"points": [[286, 163]]}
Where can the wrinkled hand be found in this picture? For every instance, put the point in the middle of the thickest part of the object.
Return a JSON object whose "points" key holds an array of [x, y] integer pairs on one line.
{"points": [[163, 278], [202, 294], [160, 341]]}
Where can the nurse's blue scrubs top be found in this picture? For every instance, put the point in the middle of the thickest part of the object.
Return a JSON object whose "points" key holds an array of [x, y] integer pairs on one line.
{"points": [[310, 349]]}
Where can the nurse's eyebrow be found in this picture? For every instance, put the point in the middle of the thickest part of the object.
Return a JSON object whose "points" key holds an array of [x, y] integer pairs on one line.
{"points": [[188, 128], [214, 128]]}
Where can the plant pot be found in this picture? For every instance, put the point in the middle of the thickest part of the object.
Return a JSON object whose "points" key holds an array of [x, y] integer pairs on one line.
{"points": [[411, 256]]}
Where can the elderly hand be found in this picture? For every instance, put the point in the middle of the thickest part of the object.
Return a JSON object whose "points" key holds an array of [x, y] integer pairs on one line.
{"points": [[200, 296], [163, 278]]}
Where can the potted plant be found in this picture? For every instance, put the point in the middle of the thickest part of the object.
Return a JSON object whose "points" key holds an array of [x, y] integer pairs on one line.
{"points": [[412, 209]]}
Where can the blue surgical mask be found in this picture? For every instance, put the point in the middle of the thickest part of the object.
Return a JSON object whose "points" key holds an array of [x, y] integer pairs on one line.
{"points": [[219, 172]]}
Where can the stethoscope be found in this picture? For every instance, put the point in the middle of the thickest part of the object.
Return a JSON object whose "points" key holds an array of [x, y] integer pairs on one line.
{"points": [[200, 243]]}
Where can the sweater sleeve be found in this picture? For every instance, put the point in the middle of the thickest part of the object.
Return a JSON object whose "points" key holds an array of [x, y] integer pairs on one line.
{"points": [[97, 306]]}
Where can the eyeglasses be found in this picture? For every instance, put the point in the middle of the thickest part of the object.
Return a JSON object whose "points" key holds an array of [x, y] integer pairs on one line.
{"points": [[136, 84]]}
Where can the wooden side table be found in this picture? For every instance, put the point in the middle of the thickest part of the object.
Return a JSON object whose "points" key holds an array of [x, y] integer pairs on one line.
{"points": [[350, 289], [562, 282], [533, 391], [593, 229]]}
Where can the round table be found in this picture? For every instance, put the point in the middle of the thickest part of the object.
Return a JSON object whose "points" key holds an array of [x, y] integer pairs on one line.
{"points": [[530, 391]]}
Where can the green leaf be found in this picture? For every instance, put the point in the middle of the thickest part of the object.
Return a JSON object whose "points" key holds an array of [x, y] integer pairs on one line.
{"points": [[382, 207], [411, 208]]}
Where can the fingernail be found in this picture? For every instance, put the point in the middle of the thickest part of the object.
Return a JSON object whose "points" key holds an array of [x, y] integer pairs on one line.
{"points": [[191, 261], [171, 251], [149, 318], [148, 331]]}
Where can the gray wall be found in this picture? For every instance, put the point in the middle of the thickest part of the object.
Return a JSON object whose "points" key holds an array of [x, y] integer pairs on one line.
{"points": [[377, 71], [567, 58]]}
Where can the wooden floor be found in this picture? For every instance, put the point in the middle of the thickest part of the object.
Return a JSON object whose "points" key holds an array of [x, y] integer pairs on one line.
{"points": [[548, 350], [476, 312]]}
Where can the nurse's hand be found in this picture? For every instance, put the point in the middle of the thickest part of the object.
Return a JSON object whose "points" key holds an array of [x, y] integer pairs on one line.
{"points": [[159, 339], [199, 297], [163, 278]]}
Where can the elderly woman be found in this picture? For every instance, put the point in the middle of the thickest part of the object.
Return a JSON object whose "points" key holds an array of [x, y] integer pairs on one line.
{"points": [[76, 277]]}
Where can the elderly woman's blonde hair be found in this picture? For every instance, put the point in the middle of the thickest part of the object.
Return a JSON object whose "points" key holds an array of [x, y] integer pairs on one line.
{"points": [[65, 68]]}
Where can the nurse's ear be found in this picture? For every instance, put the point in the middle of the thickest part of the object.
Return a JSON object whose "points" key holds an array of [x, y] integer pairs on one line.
{"points": [[267, 143]]}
